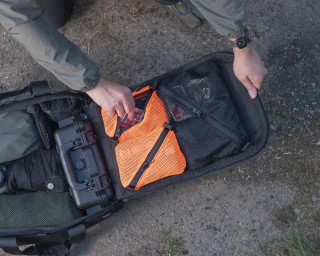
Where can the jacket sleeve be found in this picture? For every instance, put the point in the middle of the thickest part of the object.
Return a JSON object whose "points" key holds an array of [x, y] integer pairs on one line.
{"points": [[228, 17], [22, 19]]}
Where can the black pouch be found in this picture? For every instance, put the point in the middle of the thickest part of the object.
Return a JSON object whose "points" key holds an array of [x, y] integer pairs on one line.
{"points": [[19, 135], [44, 125], [203, 115]]}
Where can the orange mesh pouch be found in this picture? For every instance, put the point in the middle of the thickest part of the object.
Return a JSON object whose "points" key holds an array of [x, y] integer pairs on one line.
{"points": [[110, 123], [148, 151], [149, 158]]}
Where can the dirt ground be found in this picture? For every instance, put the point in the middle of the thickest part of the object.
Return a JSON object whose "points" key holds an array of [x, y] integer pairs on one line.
{"points": [[239, 212]]}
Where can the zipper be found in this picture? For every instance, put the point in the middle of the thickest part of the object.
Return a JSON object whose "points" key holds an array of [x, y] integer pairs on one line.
{"points": [[201, 114], [118, 130], [47, 170], [150, 157]]}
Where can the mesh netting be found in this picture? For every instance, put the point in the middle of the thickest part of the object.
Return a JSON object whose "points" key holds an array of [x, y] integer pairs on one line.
{"points": [[167, 162], [204, 88], [24, 210], [201, 143]]}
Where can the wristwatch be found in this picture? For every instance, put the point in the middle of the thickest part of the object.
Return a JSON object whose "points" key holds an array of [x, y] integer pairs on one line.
{"points": [[242, 41]]}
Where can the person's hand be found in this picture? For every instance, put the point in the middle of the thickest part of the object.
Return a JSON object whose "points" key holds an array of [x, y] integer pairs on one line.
{"points": [[114, 98], [249, 69]]}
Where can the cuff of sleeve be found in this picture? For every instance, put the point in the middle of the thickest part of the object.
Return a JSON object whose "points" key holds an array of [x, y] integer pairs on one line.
{"points": [[238, 32], [91, 82]]}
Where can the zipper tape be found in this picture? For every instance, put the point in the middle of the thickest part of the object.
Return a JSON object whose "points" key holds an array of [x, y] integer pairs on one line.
{"points": [[150, 157], [200, 113]]}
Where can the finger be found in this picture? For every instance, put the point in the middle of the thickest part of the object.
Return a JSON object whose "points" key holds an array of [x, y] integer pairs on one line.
{"points": [[252, 90], [258, 80], [257, 84], [111, 112], [129, 106], [120, 110]]}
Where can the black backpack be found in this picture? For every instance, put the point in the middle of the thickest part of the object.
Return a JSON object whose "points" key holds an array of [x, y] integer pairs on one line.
{"points": [[216, 124]]}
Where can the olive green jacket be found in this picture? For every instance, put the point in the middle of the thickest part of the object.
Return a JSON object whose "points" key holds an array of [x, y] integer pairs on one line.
{"points": [[22, 19]]}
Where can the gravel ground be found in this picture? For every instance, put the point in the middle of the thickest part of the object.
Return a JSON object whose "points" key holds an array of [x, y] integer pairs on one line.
{"points": [[233, 213]]}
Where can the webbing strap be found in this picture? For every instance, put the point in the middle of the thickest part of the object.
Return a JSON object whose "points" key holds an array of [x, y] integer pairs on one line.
{"points": [[77, 234], [8, 242], [35, 88], [6, 95], [10, 245]]}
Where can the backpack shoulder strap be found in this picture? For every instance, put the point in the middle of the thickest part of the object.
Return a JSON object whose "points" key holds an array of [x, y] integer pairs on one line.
{"points": [[35, 88]]}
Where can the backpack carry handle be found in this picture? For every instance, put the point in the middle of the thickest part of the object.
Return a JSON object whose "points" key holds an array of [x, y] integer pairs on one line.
{"points": [[34, 88]]}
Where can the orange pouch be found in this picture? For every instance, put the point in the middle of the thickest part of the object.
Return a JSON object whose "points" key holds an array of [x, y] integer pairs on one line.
{"points": [[149, 150]]}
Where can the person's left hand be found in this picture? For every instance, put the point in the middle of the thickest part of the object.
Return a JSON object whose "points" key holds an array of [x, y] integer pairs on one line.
{"points": [[249, 69]]}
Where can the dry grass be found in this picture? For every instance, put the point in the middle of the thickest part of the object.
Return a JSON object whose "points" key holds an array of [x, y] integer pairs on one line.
{"points": [[295, 244]]}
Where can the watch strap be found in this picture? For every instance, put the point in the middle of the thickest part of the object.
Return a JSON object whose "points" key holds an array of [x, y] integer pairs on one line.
{"points": [[245, 35]]}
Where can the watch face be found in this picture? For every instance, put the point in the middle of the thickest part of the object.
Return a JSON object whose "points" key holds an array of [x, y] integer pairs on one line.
{"points": [[241, 42]]}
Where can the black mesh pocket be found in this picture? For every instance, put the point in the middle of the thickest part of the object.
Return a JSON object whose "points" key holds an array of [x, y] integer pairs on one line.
{"points": [[205, 120]]}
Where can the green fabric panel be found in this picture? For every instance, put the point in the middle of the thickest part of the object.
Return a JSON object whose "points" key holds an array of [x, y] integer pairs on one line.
{"points": [[19, 135], [39, 209]]}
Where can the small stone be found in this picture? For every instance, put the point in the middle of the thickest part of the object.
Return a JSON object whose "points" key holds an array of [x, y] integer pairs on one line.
{"points": [[273, 127], [314, 199], [318, 143], [296, 211]]}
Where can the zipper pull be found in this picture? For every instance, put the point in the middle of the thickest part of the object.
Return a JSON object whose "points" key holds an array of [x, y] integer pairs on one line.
{"points": [[117, 134], [197, 112]]}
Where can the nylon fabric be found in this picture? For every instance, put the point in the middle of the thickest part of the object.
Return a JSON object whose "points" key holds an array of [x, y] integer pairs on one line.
{"points": [[19, 135]]}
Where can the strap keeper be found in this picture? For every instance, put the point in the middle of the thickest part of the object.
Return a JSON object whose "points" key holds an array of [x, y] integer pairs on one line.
{"points": [[167, 126], [245, 146], [155, 85], [39, 88]]}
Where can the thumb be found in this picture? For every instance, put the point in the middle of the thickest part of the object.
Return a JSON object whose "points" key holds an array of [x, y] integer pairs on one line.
{"points": [[252, 90]]}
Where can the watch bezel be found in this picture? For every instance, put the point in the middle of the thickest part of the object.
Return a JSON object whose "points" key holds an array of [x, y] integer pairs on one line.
{"points": [[242, 42]]}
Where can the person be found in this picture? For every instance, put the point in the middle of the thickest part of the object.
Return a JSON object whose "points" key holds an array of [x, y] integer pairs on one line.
{"points": [[23, 20]]}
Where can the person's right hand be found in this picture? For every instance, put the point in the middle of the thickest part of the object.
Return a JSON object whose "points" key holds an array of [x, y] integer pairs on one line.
{"points": [[114, 98]]}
